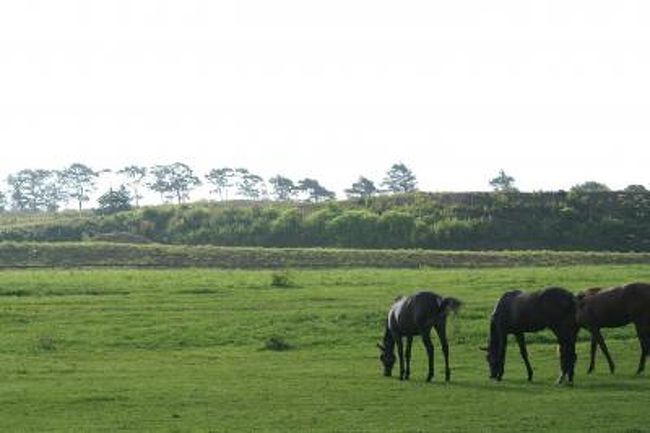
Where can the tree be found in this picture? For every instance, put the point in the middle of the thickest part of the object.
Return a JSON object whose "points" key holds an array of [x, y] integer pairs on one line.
{"points": [[399, 178], [315, 191], [589, 187], [636, 189], [114, 201], [3, 201], [173, 181], [249, 185], [78, 182], [503, 182], [362, 189], [34, 190], [135, 175], [283, 188], [221, 179]]}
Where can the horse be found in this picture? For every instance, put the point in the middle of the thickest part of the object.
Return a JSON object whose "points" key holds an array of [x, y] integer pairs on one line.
{"points": [[517, 312], [612, 308], [416, 315]]}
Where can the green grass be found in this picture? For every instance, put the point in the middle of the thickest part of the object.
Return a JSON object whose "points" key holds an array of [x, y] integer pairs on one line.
{"points": [[188, 350]]}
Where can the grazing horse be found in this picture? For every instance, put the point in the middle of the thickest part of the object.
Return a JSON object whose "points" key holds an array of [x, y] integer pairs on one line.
{"points": [[416, 315], [517, 312], [611, 308]]}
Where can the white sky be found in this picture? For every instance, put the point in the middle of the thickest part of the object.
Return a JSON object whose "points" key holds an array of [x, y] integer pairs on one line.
{"points": [[554, 92]]}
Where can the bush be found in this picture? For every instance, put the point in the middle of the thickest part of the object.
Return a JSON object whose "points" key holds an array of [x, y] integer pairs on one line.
{"points": [[277, 344], [282, 279]]}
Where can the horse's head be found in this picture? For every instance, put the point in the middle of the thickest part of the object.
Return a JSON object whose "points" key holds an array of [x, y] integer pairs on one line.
{"points": [[387, 358]]}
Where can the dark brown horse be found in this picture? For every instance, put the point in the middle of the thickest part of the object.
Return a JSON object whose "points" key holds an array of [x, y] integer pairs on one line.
{"points": [[416, 315], [517, 312], [611, 308]]}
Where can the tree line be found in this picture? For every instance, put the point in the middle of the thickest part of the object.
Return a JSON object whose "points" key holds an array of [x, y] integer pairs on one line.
{"points": [[36, 190]]}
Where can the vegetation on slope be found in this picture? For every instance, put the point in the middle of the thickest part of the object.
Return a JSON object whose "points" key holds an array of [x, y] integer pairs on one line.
{"points": [[615, 221]]}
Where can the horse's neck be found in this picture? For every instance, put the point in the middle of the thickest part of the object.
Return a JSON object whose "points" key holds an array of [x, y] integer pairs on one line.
{"points": [[389, 342], [501, 309]]}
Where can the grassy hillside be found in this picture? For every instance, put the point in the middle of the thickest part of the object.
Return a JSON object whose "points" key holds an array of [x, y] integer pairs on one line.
{"points": [[185, 351], [75, 254], [608, 221]]}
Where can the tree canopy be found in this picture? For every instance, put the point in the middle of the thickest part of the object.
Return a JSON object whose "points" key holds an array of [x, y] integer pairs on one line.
{"points": [[400, 179], [504, 183], [173, 181]]}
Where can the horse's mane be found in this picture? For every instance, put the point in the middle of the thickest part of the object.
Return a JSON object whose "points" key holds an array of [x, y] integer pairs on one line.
{"points": [[588, 292]]}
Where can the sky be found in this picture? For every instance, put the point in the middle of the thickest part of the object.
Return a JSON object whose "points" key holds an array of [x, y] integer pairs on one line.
{"points": [[554, 92]]}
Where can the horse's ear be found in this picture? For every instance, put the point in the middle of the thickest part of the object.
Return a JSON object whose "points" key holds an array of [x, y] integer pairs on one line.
{"points": [[483, 348], [382, 348]]}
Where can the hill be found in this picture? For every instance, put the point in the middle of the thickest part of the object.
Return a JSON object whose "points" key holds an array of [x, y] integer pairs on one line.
{"points": [[607, 221]]}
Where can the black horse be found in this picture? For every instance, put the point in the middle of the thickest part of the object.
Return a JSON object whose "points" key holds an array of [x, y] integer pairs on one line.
{"points": [[517, 312], [416, 315], [611, 308]]}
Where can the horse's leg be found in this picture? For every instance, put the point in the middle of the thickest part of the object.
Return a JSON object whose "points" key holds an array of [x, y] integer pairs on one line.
{"points": [[644, 340], [563, 362], [571, 354], [441, 330], [502, 355], [603, 347], [567, 341], [562, 342], [524, 354], [592, 352], [428, 345], [400, 353], [409, 343]]}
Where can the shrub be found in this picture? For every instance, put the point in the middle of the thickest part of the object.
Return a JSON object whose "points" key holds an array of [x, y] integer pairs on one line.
{"points": [[277, 344], [282, 279]]}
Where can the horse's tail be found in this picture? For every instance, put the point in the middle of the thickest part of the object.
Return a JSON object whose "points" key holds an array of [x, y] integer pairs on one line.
{"points": [[450, 305]]}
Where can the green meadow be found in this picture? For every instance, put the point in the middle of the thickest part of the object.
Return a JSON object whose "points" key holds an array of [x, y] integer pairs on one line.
{"points": [[204, 350]]}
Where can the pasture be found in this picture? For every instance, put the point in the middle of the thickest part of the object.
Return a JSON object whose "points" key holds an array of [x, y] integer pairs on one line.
{"points": [[185, 350]]}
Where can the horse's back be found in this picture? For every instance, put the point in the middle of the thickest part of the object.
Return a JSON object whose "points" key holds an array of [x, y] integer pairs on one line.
{"points": [[615, 306], [411, 314], [546, 308], [559, 304], [639, 292], [558, 299]]}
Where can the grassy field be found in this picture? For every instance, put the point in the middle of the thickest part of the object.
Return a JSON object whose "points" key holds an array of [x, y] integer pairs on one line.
{"points": [[103, 350]]}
